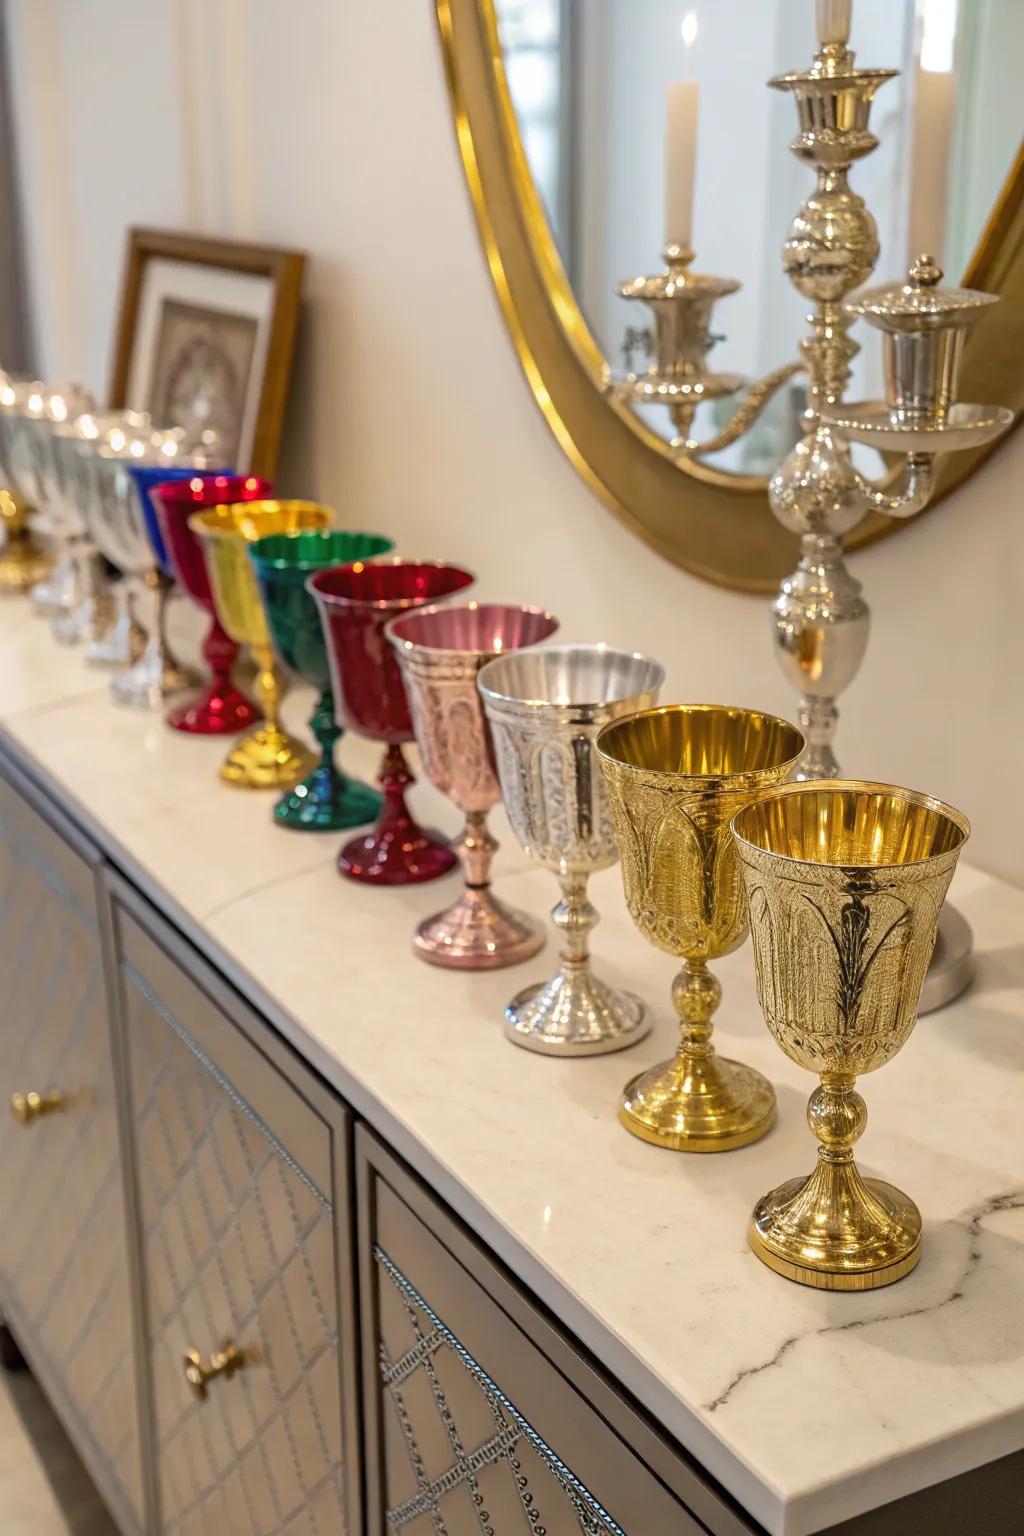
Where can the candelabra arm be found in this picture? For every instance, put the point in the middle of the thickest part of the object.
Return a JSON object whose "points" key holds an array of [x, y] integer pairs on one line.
{"points": [[915, 495], [743, 417]]}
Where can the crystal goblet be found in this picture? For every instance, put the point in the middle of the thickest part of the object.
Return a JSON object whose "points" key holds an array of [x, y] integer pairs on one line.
{"points": [[221, 709], [675, 777], [266, 757], [22, 563], [441, 651], [118, 526], [355, 603], [327, 800], [845, 882], [95, 614], [545, 709], [30, 411]]}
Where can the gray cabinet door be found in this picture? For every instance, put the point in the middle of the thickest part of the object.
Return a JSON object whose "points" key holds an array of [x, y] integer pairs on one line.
{"points": [[241, 1162], [63, 1270], [479, 1416]]}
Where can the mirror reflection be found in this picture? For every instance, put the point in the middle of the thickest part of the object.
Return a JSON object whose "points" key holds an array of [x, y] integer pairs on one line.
{"points": [[637, 115]]}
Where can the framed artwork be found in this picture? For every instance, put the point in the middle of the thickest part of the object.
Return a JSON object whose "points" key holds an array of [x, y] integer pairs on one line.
{"points": [[205, 334]]}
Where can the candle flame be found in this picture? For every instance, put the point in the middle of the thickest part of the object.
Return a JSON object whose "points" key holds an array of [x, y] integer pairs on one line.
{"points": [[688, 30]]}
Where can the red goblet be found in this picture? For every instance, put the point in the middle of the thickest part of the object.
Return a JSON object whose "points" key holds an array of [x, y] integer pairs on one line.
{"points": [[356, 602], [222, 709]]}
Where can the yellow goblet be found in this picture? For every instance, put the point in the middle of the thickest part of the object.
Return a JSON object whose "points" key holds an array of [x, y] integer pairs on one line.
{"points": [[845, 883], [266, 757], [676, 777]]}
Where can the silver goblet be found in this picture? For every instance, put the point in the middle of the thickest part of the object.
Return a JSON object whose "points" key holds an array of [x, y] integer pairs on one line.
{"points": [[98, 612], [30, 413], [117, 523], [545, 708]]}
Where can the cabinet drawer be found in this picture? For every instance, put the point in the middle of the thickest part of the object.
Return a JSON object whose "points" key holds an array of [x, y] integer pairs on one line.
{"points": [[63, 1264], [241, 1181], [478, 1414]]}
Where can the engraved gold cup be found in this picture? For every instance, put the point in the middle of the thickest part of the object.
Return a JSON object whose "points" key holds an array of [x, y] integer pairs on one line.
{"points": [[845, 883], [676, 776], [266, 757]]}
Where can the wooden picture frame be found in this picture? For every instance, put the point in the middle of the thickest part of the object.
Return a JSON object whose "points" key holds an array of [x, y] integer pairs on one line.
{"points": [[266, 340]]}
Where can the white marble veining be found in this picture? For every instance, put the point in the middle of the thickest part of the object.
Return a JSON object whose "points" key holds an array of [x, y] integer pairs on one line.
{"points": [[808, 1407]]}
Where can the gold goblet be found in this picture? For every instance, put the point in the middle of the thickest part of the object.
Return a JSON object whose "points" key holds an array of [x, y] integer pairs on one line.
{"points": [[845, 882], [266, 757], [22, 563], [676, 776]]}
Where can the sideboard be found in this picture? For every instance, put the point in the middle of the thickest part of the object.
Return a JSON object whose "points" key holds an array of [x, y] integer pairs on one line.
{"points": [[296, 1241]]}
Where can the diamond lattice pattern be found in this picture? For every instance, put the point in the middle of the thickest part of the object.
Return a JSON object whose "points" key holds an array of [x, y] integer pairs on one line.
{"points": [[238, 1247]]}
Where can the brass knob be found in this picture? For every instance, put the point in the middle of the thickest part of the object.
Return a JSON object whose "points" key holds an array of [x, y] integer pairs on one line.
{"points": [[198, 1372], [26, 1107]]}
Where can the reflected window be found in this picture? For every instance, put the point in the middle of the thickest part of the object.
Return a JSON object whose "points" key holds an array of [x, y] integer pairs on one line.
{"points": [[535, 40]]}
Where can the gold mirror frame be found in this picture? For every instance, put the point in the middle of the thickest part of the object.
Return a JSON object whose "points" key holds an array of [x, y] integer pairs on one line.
{"points": [[716, 525]]}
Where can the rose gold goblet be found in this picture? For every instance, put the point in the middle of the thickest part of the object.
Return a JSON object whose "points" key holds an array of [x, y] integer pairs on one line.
{"points": [[440, 651]]}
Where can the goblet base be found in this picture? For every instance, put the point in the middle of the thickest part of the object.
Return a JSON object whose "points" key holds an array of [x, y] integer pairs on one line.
{"points": [[575, 1014], [58, 591], [952, 964], [149, 684], [406, 854], [118, 646], [22, 567], [837, 1231], [478, 933], [698, 1104], [266, 758], [327, 803], [216, 712], [82, 623]]}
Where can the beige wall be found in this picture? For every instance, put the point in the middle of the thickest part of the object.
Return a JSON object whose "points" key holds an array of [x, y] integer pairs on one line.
{"points": [[330, 132]]}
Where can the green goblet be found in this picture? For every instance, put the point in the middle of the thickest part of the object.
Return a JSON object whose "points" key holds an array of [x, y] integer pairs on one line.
{"points": [[326, 800]]}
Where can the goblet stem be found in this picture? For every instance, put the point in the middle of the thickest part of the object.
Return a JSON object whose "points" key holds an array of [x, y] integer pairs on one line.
{"points": [[221, 709], [122, 641], [146, 684], [267, 686], [475, 849], [266, 757], [698, 1101], [478, 932], [90, 610], [175, 676], [397, 851], [837, 1230], [574, 917], [220, 653], [575, 1013], [327, 800]]}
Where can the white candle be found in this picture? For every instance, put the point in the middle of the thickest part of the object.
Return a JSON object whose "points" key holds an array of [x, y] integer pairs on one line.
{"points": [[833, 20], [934, 107], [681, 110]]}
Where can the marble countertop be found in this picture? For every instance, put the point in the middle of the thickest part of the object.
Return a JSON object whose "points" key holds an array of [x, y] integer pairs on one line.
{"points": [[808, 1407]]}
